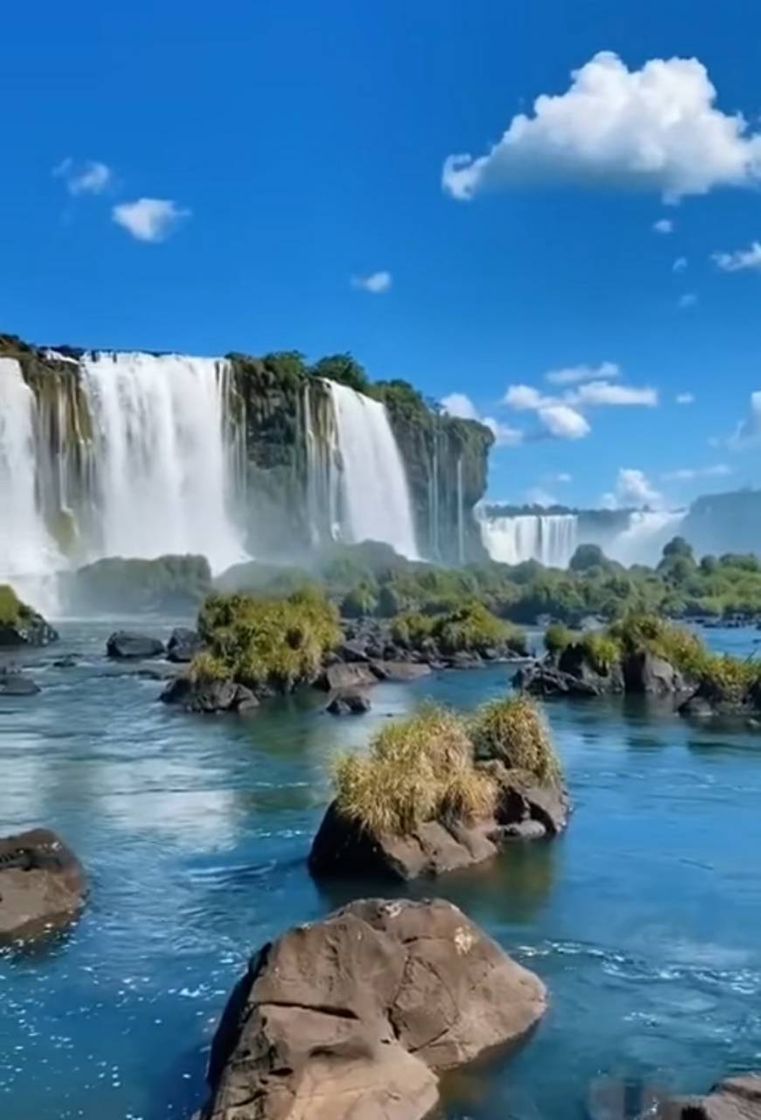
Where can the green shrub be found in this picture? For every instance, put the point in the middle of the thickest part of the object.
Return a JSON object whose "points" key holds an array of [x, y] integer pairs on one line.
{"points": [[471, 628], [420, 769], [360, 602], [557, 638], [274, 642], [11, 607], [602, 651], [514, 732], [411, 629]]}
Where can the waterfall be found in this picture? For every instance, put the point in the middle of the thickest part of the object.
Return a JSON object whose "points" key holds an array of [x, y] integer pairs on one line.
{"points": [[29, 557], [643, 540], [460, 516], [164, 470], [550, 538], [374, 498]]}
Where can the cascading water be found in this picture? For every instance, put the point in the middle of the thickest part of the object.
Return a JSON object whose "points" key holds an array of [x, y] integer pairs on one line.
{"points": [[549, 538], [374, 498], [163, 463], [29, 557], [643, 540]]}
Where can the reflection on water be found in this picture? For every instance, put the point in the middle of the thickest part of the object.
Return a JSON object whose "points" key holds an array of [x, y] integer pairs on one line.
{"points": [[641, 920]]}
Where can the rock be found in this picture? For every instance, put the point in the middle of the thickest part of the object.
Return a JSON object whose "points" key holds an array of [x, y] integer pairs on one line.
{"points": [[209, 697], [341, 677], [14, 683], [42, 885], [697, 707], [125, 645], [400, 670], [647, 674], [464, 659], [525, 830], [544, 679], [353, 1017], [354, 651], [183, 645], [348, 703], [522, 799], [68, 661], [737, 1098], [574, 660], [27, 630]]}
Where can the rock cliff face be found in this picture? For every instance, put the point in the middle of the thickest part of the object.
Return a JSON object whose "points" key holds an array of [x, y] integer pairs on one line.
{"points": [[280, 429]]}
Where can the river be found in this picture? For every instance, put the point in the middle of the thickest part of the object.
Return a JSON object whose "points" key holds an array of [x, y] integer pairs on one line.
{"points": [[642, 919]]}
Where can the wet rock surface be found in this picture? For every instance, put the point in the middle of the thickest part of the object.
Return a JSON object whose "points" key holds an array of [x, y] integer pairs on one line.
{"points": [[305, 1034], [128, 646], [42, 885], [209, 697], [183, 645], [348, 702]]}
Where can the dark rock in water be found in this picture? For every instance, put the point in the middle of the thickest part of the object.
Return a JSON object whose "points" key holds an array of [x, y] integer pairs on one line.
{"points": [[544, 679], [183, 645], [14, 683], [125, 645], [354, 1016], [209, 697], [42, 885], [714, 700], [68, 661], [575, 661], [464, 659], [28, 628], [353, 650], [348, 703], [340, 677], [647, 674], [737, 1098], [400, 670]]}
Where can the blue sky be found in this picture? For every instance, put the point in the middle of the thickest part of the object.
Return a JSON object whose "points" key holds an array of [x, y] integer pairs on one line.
{"points": [[228, 177]]}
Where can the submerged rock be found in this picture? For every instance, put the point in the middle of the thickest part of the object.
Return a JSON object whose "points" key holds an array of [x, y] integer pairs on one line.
{"points": [[209, 697], [42, 885], [127, 646], [349, 702], [183, 645], [355, 1016]]}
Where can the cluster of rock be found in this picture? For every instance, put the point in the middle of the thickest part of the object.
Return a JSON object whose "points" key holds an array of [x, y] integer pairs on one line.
{"points": [[357, 1015], [42, 885], [372, 639], [574, 674], [525, 810]]}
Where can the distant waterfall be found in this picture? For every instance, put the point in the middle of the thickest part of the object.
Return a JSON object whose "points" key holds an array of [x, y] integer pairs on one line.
{"points": [[550, 538], [366, 482], [164, 467], [28, 555], [643, 540]]}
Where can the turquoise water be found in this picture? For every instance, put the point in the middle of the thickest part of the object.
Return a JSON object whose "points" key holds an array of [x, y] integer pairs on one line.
{"points": [[642, 920]]}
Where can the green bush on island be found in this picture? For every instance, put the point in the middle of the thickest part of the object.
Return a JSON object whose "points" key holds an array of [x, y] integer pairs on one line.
{"points": [[270, 643], [10, 605], [428, 767], [470, 628]]}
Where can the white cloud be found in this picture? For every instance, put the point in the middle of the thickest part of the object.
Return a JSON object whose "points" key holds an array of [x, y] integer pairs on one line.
{"points": [[376, 282], [656, 128], [633, 488], [689, 299], [679, 264], [689, 474], [574, 375], [663, 225], [685, 398], [563, 422], [748, 431], [563, 477], [603, 393], [461, 406], [740, 259], [149, 219], [524, 398], [86, 177]]}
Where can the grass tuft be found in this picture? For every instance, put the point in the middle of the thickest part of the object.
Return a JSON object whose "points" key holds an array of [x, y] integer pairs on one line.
{"points": [[514, 732]]}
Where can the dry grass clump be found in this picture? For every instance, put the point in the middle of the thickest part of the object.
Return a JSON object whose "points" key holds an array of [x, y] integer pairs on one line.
{"points": [[514, 732], [420, 769]]}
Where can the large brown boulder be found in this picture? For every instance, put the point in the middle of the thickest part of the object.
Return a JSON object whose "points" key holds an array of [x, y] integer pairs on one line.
{"points": [[737, 1098], [352, 1018], [42, 885]]}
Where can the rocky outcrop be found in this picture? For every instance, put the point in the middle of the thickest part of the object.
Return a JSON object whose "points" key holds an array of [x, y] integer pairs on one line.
{"points": [[127, 646], [341, 677], [22, 626], [545, 679], [574, 674], [183, 645], [525, 811], [349, 702], [737, 1098], [355, 1016], [42, 885], [209, 697], [724, 702], [647, 674]]}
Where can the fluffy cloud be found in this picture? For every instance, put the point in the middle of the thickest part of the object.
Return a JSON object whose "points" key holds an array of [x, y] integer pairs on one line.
{"points": [[563, 422], [685, 398], [679, 264], [603, 393], [689, 299], [524, 398], [460, 405], [633, 488], [574, 375], [740, 259], [563, 477], [689, 474], [663, 225], [149, 219], [376, 282], [748, 431], [656, 128], [86, 177]]}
